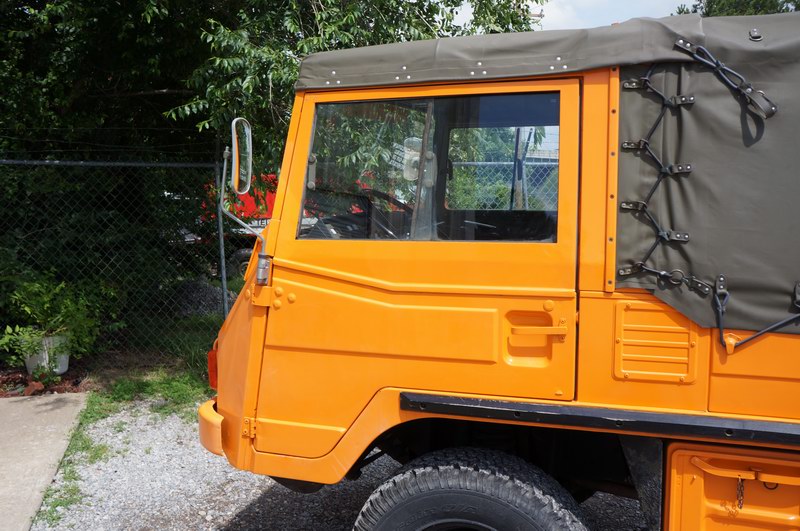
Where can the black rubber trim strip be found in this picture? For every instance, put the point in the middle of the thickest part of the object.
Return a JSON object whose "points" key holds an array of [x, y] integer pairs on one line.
{"points": [[665, 424]]}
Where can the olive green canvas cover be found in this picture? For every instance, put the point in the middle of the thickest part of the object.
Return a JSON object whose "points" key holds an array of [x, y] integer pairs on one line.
{"points": [[735, 213]]}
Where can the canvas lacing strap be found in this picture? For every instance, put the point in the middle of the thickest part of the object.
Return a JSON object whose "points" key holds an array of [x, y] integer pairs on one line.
{"points": [[756, 99], [663, 235], [676, 277], [721, 298]]}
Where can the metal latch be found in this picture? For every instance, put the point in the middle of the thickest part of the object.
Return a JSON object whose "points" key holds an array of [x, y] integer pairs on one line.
{"points": [[249, 427]]}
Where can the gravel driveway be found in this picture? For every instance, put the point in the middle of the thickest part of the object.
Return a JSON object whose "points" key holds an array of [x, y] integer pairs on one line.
{"points": [[157, 476]]}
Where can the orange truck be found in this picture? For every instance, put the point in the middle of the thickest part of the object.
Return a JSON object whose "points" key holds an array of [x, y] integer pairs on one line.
{"points": [[530, 267]]}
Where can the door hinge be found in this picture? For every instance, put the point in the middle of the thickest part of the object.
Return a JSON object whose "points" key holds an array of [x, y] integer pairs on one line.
{"points": [[249, 427], [259, 295]]}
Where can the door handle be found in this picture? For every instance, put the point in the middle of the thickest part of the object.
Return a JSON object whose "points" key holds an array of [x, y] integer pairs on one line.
{"points": [[708, 468], [539, 330], [753, 473], [530, 336]]}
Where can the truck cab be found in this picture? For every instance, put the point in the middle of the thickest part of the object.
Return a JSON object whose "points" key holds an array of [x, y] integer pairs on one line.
{"points": [[453, 277]]}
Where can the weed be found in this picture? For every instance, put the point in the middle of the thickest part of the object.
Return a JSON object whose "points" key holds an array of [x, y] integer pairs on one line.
{"points": [[70, 471], [174, 393], [99, 405], [120, 426], [56, 498]]}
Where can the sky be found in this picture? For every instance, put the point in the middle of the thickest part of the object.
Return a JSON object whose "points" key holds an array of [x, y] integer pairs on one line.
{"points": [[571, 14]]}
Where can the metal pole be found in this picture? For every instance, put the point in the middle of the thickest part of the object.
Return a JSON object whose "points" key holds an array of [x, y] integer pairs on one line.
{"points": [[221, 230]]}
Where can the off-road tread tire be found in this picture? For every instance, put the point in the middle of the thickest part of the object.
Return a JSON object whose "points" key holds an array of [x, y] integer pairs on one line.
{"points": [[503, 477]]}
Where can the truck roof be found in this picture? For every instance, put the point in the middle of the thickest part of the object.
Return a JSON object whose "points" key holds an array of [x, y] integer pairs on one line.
{"points": [[536, 53]]}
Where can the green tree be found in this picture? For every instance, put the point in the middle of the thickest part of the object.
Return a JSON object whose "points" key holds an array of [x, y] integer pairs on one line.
{"points": [[255, 59], [84, 79], [722, 8]]}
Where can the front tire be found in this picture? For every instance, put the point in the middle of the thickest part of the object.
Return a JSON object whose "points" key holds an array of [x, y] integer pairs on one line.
{"points": [[469, 488]]}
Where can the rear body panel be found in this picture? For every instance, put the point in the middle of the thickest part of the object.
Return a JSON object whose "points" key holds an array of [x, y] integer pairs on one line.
{"points": [[732, 488]]}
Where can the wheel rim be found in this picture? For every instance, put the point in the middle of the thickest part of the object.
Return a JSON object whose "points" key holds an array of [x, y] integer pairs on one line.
{"points": [[458, 524]]}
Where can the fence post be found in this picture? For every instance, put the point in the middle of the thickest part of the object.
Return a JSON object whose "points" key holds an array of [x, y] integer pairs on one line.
{"points": [[221, 230]]}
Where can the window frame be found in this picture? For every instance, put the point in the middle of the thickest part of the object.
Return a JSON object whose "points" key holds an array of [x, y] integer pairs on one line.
{"points": [[431, 94], [454, 265]]}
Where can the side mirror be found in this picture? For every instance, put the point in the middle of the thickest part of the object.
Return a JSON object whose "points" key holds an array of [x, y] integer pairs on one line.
{"points": [[242, 162]]}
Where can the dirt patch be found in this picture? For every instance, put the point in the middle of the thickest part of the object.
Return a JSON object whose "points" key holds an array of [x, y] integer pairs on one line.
{"points": [[16, 382]]}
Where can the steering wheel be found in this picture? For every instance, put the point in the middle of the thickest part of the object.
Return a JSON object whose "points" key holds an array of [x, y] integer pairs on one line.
{"points": [[389, 199], [383, 224]]}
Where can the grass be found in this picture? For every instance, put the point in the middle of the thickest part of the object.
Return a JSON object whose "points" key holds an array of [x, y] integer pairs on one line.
{"points": [[172, 392], [169, 391], [66, 496], [81, 448]]}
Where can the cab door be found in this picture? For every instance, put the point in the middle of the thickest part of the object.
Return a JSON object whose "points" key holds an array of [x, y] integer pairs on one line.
{"points": [[428, 241]]}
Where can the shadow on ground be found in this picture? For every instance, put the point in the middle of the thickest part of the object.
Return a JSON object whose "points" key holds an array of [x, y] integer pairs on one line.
{"points": [[336, 507]]}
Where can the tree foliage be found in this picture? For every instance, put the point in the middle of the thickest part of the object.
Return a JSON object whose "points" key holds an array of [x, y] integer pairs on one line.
{"points": [[133, 79], [255, 59], [722, 8], [84, 79]]}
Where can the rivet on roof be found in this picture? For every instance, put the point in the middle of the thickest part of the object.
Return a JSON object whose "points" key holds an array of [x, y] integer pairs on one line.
{"points": [[484, 72], [552, 67], [480, 63], [404, 67], [558, 58], [472, 73]]}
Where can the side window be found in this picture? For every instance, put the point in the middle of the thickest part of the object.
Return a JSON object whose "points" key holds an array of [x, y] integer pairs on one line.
{"points": [[502, 161], [449, 168], [503, 168], [363, 170]]}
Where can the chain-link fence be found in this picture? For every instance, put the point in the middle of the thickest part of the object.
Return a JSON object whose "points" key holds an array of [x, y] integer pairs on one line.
{"points": [[135, 244], [493, 180], [493, 184]]}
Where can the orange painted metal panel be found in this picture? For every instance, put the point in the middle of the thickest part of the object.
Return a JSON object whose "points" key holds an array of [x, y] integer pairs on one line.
{"points": [[611, 184], [332, 382], [350, 317], [714, 487], [240, 343], [761, 378], [302, 440], [595, 147], [210, 427], [636, 351], [654, 343]]}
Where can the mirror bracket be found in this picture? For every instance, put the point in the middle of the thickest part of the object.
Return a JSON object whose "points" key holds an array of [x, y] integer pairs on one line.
{"points": [[264, 260]]}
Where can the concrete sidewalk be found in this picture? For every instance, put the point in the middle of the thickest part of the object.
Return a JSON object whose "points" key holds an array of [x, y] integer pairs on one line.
{"points": [[34, 433]]}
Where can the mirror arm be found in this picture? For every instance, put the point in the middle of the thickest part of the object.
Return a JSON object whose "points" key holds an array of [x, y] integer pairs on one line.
{"points": [[262, 267]]}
